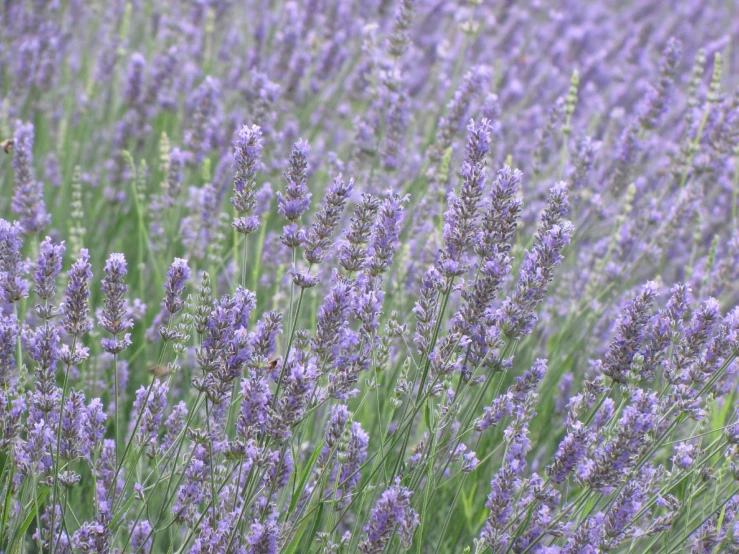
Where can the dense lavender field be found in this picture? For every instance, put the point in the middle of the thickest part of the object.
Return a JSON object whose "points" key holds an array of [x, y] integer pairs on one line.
{"points": [[375, 276]]}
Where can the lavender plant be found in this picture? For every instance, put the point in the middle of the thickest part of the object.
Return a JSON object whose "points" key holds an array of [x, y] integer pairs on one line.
{"points": [[334, 277]]}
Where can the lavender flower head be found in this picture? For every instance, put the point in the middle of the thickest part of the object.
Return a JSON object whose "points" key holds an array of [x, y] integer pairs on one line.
{"points": [[177, 276], [76, 307], [392, 510], [9, 330], [385, 236], [13, 286], [297, 198], [115, 318], [460, 220], [318, 240], [247, 158], [48, 266], [28, 198]]}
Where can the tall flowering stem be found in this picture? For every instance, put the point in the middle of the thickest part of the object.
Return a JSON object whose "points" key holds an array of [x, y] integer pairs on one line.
{"points": [[76, 322], [247, 158], [116, 320]]}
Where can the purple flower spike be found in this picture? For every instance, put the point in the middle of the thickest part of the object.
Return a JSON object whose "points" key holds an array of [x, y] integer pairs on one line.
{"points": [[28, 198]]}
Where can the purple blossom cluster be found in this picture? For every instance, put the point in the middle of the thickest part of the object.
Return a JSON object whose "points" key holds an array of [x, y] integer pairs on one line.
{"points": [[378, 276]]}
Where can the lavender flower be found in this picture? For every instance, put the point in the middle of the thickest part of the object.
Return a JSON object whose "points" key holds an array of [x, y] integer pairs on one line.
{"points": [[76, 308], [48, 266], [150, 414], [9, 331], [28, 198], [391, 514], [247, 157], [516, 316], [352, 454], [630, 334], [611, 461], [460, 220], [317, 241], [115, 317], [177, 275], [13, 286], [141, 540], [353, 252], [297, 198], [384, 239], [262, 538]]}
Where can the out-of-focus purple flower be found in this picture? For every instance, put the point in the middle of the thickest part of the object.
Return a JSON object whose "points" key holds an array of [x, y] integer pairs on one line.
{"points": [[45, 534], [199, 136], [141, 537], [175, 167], [338, 417], [262, 538], [656, 100], [398, 41], [28, 198], [516, 317], [352, 456], [94, 423], [177, 276], [254, 414], [291, 405], [9, 330], [175, 423], [13, 286], [151, 413], [134, 80], [456, 110], [392, 511], [12, 408]]}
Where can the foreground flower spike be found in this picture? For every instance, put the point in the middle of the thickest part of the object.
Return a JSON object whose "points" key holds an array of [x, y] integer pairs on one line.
{"points": [[296, 200], [318, 239], [115, 318], [353, 252], [13, 287], [247, 157], [391, 514], [385, 236], [48, 266], [28, 198], [630, 334], [460, 220], [177, 276], [517, 316], [76, 307], [9, 330]]}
